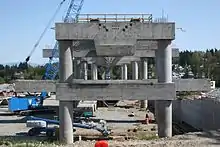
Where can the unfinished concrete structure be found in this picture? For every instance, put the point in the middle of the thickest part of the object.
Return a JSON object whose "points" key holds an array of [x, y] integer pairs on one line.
{"points": [[116, 39], [138, 62], [115, 36]]}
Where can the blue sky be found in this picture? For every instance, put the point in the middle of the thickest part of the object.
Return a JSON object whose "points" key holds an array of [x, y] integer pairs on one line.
{"points": [[22, 22]]}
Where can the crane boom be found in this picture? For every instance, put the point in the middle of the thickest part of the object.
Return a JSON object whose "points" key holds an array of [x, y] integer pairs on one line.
{"points": [[71, 16], [44, 31]]}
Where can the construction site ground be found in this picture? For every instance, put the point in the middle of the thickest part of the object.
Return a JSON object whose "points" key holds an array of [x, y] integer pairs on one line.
{"points": [[123, 134]]}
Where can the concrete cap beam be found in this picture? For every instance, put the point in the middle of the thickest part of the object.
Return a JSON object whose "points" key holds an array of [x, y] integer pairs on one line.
{"points": [[92, 53], [35, 85], [115, 90], [119, 31], [50, 86]]}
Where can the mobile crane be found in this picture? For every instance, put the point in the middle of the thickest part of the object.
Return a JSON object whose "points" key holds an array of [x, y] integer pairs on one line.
{"points": [[52, 69], [71, 16]]}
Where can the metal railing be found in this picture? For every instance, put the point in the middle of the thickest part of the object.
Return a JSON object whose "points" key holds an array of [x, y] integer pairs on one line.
{"points": [[115, 18]]}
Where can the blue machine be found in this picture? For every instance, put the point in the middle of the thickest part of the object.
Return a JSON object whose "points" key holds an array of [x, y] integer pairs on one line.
{"points": [[16, 104], [37, 126]]}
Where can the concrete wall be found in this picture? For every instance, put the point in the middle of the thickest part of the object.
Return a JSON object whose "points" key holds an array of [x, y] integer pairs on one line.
{"points": [[201, 114]]}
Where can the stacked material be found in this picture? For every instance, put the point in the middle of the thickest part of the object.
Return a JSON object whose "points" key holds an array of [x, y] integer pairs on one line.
{"points": [[88, 106], [6, 88], [214, 94]]}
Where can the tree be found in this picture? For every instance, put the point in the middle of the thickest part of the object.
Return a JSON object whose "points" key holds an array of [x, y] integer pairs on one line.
{"points": [[2, 80], [2, 67]]}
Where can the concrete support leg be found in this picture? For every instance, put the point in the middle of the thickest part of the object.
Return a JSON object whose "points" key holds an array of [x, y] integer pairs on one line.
{"points": [[124, 72], [85, 70], [164, 73], [65, 107], [66, 121], [144, 75], [134, 65], [144, 67], [94, 72], [76, 68], [108, 73]]}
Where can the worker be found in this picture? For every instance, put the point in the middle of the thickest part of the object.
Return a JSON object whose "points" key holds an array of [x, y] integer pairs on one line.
{"points": [[148, 119], [101, 143]]}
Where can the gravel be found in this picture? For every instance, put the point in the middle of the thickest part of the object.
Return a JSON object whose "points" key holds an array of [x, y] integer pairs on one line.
{"points": [[188, 140]]}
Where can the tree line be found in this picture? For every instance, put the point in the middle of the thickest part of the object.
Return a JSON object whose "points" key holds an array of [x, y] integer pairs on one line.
{"points": [[203, 64]]}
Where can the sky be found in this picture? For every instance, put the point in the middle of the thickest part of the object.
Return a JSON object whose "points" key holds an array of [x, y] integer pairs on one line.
{"points": [[23, 21]]}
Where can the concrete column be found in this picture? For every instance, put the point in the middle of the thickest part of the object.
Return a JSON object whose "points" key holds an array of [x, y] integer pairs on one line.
{"points": [[65, 107], [66, 121], [124, 72], [164, 72], [76, 68], [144, 68], [85, 70], [134, 65], [144, 76], [94, 72], [108, 73]]}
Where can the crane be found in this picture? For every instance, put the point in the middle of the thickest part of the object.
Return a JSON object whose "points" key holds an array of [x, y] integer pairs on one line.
{"points": [[44, 31], [71, 16]]}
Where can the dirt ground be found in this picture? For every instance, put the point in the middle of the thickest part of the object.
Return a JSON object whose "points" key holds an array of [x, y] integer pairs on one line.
{"points": [[16, 126]]}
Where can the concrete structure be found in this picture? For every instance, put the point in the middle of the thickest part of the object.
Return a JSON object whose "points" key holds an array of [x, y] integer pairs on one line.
{"points": [[65, 107], [144, 76], [180, 85], [200, 114], [164, 74], [117, 60], [120, 39], [115, 37]]}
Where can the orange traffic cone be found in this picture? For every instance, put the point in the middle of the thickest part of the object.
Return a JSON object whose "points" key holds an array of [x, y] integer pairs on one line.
{"points": [[101, 143]]}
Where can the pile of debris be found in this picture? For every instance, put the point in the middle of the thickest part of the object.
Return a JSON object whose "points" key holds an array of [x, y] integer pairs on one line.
{"points": [[6, 91]]}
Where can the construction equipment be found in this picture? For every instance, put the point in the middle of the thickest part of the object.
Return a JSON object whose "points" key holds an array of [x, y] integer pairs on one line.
{"points": [[27, 104], [71, 16], [41, 125], [44, 31], [52, 68]]}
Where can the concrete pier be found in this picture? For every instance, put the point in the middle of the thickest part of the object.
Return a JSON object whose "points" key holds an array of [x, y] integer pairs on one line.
{"points": [[144, 76], [85, 70], [134, 65], [124, 71], [66, 121], [94, 72], [144, 67], [65, 107], [138, 39], [164, 73], [76, 68]]}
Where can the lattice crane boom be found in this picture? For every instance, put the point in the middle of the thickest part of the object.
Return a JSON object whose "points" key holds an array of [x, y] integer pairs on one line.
{"points": [[52, 68]]}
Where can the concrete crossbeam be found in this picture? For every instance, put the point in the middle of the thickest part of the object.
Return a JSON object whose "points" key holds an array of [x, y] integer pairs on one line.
{"points": [[115, 31], [92, 53], [180, 84], [34, 85], [193, 84], [114, 90]]}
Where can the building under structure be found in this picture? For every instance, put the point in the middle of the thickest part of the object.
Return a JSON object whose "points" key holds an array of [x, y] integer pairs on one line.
{"points": [[115, 40]]}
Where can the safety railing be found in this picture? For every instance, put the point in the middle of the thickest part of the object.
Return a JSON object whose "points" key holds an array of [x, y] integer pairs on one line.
{"points": [[115, 18]]}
